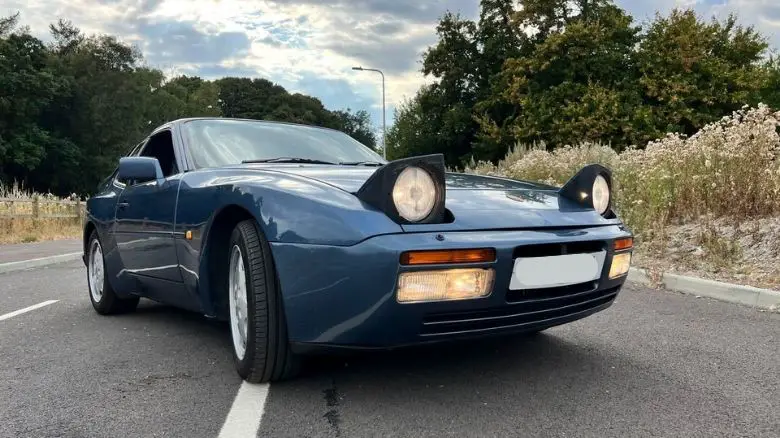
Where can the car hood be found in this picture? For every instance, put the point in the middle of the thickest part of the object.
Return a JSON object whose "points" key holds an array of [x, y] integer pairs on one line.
{"points": [[476, 202], [351, 178]]}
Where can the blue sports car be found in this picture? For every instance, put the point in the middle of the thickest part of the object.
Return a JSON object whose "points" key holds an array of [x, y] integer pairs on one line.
{"points": [[304, 239]]}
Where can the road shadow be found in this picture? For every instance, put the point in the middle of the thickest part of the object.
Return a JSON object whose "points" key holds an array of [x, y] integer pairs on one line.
{"points": [[533, 354], [543, 384], [149, 309], [159, 320]]}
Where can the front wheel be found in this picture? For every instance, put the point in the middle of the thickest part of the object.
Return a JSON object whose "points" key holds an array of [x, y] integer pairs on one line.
{"points": [[104, 300], [258, 328]]}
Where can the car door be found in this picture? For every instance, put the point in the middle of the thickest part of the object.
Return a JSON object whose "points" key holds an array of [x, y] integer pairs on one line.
{"points": [[145, 216]]}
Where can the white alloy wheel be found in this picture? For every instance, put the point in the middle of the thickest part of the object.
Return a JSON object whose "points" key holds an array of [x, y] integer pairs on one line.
{"points": [[96, 274], [239, 310]]}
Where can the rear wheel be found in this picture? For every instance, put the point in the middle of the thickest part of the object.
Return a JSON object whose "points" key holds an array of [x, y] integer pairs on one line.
{"points": [[258, 328], [104, 300]]}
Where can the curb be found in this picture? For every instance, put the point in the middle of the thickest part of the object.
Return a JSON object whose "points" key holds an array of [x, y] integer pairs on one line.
{"points": [[732, 293], [36, 263]]}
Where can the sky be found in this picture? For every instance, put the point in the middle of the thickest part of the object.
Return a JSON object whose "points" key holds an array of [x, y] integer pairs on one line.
{"points": [[310, 46]]}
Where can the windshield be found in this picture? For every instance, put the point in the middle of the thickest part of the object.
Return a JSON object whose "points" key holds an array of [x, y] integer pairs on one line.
{"points": [[224, 142]]}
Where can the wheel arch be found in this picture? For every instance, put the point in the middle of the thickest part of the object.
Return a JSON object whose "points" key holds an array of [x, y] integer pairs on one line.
{"points": [[89, 228], [216, 248]]}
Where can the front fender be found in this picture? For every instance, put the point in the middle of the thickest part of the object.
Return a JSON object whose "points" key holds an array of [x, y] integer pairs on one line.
{"points": [[288, 208]]}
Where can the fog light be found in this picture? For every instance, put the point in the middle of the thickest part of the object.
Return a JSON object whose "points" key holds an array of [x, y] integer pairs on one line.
{"points": [[444, 285], [620, 264]]}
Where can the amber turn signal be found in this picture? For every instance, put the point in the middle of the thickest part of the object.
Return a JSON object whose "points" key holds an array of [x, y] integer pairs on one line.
{"points": [[436, 257], [625, 243]]}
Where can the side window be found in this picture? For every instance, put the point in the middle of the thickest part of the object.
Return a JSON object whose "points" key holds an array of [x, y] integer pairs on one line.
{"points": [[136, 149], [131, 153], [160, 146]]}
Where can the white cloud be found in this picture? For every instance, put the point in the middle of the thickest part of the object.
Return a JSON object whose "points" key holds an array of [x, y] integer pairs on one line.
{"points": [[764, 14], [309, 45]]}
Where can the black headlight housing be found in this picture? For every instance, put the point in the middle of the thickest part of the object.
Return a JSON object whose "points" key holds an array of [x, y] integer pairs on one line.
{"points": [[580, 187], [377, 191]]}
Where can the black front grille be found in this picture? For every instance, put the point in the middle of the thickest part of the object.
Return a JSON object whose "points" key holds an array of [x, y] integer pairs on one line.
{"points": [[550, 293], [554, 249], [530, 308]]}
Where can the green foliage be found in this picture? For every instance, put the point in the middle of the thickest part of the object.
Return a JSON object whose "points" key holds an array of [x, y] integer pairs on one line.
{"points": [[571, 86], [561, 72], [357, 125], [69, 110], [467, 58], [693, 73], [27, 87]]}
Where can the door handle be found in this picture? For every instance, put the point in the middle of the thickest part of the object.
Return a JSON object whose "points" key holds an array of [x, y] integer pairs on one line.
{"points": [[122, 205]]}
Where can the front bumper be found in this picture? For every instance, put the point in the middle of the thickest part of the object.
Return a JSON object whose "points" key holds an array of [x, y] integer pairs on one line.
{"points": [[345, 296]]}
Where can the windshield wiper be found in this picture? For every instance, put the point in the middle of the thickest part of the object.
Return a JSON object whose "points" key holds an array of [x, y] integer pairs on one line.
{"points": [[361, 163], [286, 160]]}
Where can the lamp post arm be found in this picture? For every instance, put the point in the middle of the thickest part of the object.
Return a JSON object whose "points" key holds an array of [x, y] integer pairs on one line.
{"points": [[384, 122]]}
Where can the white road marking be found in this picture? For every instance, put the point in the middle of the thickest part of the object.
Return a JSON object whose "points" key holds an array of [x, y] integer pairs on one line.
{"points": [[26, 309], [35, 263], [244, 417]]}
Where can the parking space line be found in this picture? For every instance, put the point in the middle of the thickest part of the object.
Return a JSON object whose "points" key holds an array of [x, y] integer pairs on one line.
{"points": [[245, 415], [26, 309]]}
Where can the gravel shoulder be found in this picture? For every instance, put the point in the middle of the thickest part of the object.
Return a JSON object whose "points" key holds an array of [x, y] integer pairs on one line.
{"points": [[744, 252]]}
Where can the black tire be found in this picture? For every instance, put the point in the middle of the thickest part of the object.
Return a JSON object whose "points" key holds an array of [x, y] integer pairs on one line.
{"points": [[107, 302], [267, 357]]}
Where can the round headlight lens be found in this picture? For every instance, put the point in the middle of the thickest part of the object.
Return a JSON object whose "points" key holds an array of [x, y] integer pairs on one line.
{"points": [[414, 194], [600, 194]]}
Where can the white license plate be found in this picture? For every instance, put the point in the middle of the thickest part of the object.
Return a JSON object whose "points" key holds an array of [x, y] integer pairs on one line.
{"points": [[553, 271]]}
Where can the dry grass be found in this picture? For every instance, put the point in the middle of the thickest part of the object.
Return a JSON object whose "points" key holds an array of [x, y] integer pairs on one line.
{"points": [[728, 169], [17, 225], [25, 230], [746, 252], [726, 174]]}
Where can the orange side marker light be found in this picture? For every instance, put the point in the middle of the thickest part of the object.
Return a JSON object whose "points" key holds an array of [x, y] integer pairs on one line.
{"points": [[438, 257], [624, 243]]}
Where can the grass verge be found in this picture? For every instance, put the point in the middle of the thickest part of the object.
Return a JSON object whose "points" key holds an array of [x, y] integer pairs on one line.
{"points": [[17, 206]]}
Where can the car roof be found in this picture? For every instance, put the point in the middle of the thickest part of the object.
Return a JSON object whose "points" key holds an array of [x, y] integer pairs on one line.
{"points": [[267, 122]]}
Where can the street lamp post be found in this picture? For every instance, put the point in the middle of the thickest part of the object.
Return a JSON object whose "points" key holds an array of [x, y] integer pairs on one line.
{"points": [[384, 125]]}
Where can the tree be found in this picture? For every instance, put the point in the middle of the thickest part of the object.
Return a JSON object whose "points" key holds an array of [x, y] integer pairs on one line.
{"points": [[567, 71], [8, 24], [577, 84], [770, 92], [414, 132], [357, 125], [67, 37], [692, 73], [465, 62], [27, 88], [69, 109]]}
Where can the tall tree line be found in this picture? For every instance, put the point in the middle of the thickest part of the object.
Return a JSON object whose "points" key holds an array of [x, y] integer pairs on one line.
{"points": [[566, 71], [71, 107]]}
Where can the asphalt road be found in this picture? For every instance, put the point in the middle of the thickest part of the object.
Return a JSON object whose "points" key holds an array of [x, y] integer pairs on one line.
{"points": [[27, 251], [654, 364]]}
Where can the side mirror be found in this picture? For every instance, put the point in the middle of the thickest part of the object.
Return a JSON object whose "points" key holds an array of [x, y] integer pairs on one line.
{"points": [[139, 169]]}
